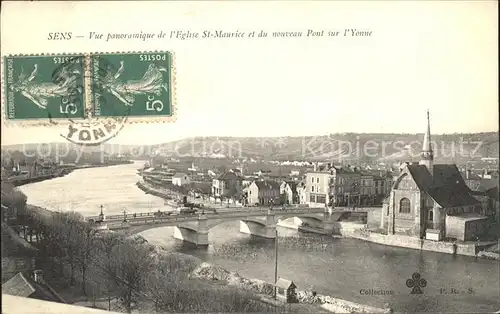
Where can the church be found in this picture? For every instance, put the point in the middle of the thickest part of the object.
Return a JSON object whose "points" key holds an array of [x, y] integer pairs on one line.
{"points": [[432, 201]]}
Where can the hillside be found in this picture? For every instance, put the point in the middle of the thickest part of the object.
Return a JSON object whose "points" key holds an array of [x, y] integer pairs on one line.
{"points": [[350, 146], [346, 146]]}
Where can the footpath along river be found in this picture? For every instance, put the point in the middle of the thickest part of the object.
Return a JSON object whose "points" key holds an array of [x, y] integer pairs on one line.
{"points": [[344, 268]]}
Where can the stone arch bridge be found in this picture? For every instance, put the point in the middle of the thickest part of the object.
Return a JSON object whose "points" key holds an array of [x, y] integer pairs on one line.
{"points": [[257, 222]]}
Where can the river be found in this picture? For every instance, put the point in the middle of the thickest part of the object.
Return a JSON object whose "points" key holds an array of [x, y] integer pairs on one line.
{"points": [[345, 268]]}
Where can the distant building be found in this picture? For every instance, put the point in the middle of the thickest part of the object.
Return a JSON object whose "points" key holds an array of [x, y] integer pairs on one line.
{"points": [[157, 162], [317, 187], [227, 183], [294, 173], [17, 254], [193, 168], [428, 200], [486, 192], [334, 186], [263, 192], [302, 192], [367, 189], [211, 173], [288, 192], [180, 179]]}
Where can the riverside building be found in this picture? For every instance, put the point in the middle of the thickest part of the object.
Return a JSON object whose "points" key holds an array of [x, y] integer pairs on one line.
{"points": [[431, 201]]}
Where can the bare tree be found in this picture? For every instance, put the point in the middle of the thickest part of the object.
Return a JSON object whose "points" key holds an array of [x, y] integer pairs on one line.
{"points": [[86, 251], [127, 268], [68, 233]]}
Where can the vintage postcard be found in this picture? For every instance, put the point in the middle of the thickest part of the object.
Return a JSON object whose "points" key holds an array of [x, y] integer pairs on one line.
{"points": [[250, 157]]}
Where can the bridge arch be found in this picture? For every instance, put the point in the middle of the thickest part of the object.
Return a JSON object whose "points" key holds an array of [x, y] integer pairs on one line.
{"points": [[212, 223], [303, 220], [195, 229]]}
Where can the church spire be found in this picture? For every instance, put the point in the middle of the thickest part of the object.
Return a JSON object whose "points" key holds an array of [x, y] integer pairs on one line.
{"points": [[427, 155]]}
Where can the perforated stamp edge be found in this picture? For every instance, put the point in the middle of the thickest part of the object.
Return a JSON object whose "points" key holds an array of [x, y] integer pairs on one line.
{"points": [[173, 88], [58, 122]]}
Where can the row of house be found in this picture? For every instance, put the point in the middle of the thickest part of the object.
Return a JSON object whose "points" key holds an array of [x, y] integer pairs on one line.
{"points": [[346, 186], [23, 169], [327, 186]]}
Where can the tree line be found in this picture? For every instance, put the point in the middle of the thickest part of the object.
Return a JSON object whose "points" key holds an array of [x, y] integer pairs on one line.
{"points": [[130, 272]]}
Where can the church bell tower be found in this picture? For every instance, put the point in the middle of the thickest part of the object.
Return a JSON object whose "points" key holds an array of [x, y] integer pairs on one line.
{"points": [[427, 157]]}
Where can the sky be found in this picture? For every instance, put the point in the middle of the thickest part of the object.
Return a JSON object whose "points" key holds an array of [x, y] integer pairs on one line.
{"points": [[440, 56]]}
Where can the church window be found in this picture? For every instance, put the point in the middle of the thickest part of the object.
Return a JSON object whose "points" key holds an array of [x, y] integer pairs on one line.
{"points": [[431, 215], [404, 206]]}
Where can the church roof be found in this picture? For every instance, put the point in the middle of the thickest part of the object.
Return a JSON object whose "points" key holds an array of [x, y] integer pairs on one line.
{"points": [[446, 186]]}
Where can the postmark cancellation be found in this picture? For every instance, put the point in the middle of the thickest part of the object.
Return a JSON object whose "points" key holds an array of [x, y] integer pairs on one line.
{"points": [[55, 89]]}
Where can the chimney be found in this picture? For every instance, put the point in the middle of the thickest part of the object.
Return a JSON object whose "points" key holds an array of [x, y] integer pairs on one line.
{"points": [[485, 171], [467, 173], [314, 167], [38, 276]]}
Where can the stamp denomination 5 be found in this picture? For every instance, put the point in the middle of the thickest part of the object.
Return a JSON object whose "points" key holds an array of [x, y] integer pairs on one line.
{"points": [[132, 84], [65, 88], [45, 87]]}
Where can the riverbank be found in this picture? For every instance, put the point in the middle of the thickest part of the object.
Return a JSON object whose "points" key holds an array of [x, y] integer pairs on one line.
{"points": [[207, 203], [313, 301], [356, 230], [149, 190], [174, 285], [40, 178], [61, 172], [208, 277], [403, 241]]}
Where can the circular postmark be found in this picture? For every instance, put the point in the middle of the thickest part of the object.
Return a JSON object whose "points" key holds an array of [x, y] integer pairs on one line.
{"points": [[90, 129], [93, 131]]}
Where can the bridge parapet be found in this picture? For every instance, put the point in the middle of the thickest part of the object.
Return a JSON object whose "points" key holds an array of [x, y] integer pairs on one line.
{"points": [[261, 222]]}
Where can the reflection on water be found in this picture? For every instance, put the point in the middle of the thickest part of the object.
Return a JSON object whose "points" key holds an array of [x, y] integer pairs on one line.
{"points": [[85, 190], [343, 267], [338, 267]]}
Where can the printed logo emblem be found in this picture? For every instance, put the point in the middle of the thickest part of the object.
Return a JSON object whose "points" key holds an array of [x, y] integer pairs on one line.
{"points": [[416, 282]]}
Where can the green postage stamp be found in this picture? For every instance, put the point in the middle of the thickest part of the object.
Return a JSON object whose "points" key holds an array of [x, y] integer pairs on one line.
{"points": [[132, 84], [44, 87], [40, 89]]}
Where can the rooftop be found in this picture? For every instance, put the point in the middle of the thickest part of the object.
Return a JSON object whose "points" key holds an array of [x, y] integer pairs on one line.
{"points": [[469, 217], [283, 283], [179, 175], [229, 175], [25, 286], [267, 185], [446, 186], [18, 286], [14, 245]]}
